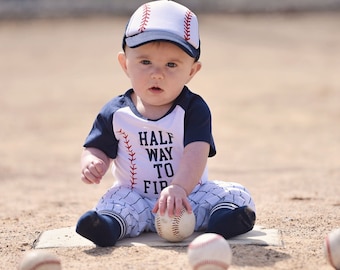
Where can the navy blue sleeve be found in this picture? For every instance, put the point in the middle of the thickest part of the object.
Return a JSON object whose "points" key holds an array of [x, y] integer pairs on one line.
{"points": [[198, 122], [101, 135]]}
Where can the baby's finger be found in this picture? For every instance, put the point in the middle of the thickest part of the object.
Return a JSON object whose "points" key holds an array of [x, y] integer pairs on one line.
{"points": [[87, 175], [99, 166], [187, 206], [162, 205], [85, 180], [170, 206], [94, 169], [155, 208], [178, 207]]}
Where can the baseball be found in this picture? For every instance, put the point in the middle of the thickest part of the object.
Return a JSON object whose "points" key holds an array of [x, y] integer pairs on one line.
{"points": [[39, 260], [175, 229], [332, 248], [209, 251]]}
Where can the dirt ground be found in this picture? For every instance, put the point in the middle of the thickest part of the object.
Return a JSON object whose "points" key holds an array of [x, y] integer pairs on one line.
{"points": [[273, 85]]}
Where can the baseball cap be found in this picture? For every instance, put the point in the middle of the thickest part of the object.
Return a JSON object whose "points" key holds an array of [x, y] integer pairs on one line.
{"points": [[164, 20]]}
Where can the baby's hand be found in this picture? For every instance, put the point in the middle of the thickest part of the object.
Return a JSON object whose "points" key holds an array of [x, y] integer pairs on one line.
{"points": [[173, 198], [93, 172]]}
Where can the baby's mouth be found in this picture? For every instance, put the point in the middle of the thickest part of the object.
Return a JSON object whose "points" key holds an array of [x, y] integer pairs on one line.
{"points": [[155, 88]]}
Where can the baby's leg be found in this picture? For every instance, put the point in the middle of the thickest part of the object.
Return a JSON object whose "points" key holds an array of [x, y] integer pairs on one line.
{"points": [[231, 221], [121, 212], [103, 230], [225, 208]]}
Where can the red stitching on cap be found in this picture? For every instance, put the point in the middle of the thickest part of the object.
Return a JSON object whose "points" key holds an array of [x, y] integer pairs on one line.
{"points": [[145, 18], [132, 158], [187, 22]]}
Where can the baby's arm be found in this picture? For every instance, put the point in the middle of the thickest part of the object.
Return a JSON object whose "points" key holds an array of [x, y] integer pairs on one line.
{"points": [[94, 165], [190, 170]]}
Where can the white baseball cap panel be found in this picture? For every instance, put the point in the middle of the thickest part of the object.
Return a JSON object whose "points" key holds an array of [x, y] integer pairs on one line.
{"points": [[164, 21]]}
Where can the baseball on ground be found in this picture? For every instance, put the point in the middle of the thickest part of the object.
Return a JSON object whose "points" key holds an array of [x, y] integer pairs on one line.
{"points": [[39, 260], [209, 251], [332, 248], [175, 229]]}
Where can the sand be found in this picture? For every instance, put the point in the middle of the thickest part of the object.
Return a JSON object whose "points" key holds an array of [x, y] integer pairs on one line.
{"points": [[272, 83]]}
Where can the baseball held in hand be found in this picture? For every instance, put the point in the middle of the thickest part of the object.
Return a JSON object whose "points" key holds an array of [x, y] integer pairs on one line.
{"points": [[332, 248], [176, 228], [209, 251]]}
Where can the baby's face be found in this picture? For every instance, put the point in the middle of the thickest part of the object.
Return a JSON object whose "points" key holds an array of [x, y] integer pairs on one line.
{"points": [[158, 71]]}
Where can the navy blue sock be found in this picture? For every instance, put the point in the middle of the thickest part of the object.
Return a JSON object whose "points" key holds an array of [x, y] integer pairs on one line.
{"points": [[231, 222], [101, 229]]}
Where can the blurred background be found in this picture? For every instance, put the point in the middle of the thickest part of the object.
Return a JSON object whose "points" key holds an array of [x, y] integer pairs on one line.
{"points": [[275, 63], [53, 8]]}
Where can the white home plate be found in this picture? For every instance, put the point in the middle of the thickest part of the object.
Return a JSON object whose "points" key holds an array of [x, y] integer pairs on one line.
{"points": [[67, 237]]}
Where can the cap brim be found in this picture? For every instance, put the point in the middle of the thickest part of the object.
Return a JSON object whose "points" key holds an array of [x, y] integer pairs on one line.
{"points": [[148, 36]]}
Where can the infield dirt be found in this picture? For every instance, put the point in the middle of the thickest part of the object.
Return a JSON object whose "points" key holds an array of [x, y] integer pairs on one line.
{"points": [[272, 83]]}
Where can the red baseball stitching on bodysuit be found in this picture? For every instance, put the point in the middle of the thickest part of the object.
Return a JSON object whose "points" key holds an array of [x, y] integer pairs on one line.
{"points": [[145, 18], [187, 22], [131, 153]]}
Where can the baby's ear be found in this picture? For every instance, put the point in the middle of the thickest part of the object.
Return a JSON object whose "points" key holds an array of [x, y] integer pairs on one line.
{"points": [[122, 61], [196, 67]]}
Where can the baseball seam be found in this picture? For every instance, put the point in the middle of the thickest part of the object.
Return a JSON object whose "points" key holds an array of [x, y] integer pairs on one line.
{"points": [[145, 18], [187, 24], [174, 228], [159, 227], [132, 158]]}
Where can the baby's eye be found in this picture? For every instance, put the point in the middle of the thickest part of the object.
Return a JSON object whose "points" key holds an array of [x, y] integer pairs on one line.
{"points": [[145, 62], [171, 65]]}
